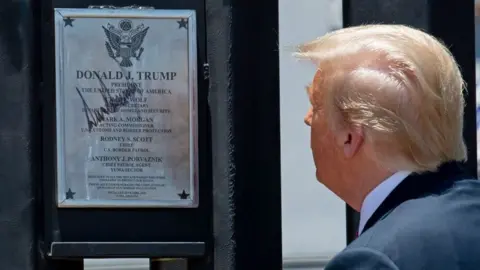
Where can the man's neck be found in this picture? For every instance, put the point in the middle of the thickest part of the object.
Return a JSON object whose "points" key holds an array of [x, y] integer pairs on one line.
{"points": [[365, 181], [377, 195]]}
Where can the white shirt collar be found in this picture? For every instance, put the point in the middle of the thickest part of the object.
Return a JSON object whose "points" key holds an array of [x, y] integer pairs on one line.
{"points": [[378, 195]]}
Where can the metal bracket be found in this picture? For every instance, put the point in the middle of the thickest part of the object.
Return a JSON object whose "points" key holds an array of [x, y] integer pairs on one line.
{"points": [[126, 7]]}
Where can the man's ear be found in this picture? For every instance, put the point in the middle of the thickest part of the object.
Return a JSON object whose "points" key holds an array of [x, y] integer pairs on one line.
{"points": [[351, 140]]}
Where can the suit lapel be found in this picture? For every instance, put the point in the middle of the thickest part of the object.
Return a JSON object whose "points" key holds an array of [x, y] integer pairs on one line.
{"points": [[417, 186]]}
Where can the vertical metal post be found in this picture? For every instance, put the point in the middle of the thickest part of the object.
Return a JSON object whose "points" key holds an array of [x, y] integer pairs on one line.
{"points": [[18, 136], [245, 118], [454, 24]]}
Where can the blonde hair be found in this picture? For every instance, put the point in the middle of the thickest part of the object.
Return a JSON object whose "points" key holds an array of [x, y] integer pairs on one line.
{"points": [[400, 84]]}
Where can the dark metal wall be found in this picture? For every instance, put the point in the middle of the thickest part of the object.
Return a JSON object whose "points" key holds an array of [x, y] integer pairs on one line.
{"points": [[450, 21]]}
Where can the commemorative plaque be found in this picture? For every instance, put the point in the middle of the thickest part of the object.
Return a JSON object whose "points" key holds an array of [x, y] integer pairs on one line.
{"points": [[126, 82]]}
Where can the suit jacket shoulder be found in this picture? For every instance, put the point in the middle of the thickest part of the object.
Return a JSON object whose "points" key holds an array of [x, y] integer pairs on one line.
{"points": [[435, 229], [434, 232]]}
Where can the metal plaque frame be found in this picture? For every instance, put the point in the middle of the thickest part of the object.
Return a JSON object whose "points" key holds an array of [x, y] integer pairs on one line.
{"points": [[185, 18]]}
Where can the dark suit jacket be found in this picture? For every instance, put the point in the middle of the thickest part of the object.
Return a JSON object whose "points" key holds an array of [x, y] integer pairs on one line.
{"points": [[430, 221]]}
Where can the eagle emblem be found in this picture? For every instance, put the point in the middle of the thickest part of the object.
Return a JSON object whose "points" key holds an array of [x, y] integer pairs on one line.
{"points": [[125, 42]]}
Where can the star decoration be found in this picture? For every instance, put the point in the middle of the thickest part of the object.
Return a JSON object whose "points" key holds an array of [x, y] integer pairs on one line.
{"points": [[69, 194], [68, 21], [182, 23], [183, 195]]}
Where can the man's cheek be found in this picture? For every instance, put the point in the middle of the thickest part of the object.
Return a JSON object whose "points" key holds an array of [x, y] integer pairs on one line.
{"points": [[317, 149]]}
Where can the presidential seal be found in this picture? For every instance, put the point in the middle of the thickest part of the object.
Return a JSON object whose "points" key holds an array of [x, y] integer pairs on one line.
{"points": [[125, 41]]}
